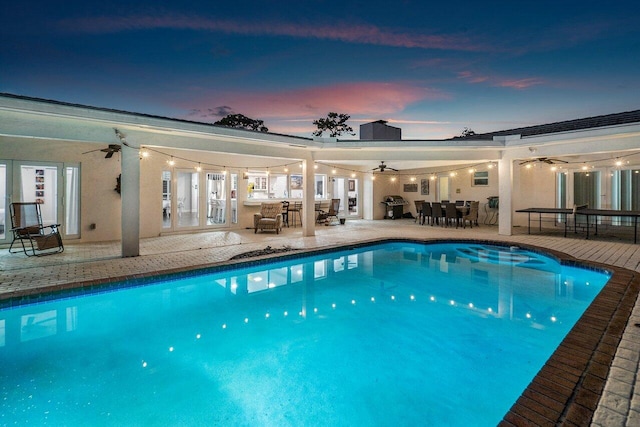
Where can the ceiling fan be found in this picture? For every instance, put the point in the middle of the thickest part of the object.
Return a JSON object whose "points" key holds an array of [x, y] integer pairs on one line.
{"points": [[547, 160], [110, 150], [382, 167]]}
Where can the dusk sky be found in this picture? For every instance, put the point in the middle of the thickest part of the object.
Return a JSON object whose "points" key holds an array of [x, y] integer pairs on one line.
{"points": [[430, 68]]}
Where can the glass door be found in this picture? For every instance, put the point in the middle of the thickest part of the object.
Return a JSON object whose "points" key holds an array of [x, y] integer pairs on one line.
{"points": [[234, 198], [166, 200], [586, 189], [39, 183], [71, 201], [338, 191], [443, 188], [187, 199], [55, 186], [5, 220], [352, 200], [216, 191], [346, 189]]}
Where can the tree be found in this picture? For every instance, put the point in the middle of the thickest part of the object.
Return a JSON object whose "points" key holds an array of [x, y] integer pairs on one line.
{"points": [[335, 124], [467, 132], [242, 122]]}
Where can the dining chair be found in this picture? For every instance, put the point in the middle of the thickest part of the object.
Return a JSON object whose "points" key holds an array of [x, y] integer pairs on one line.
{"points": [[450, 214], [418, 204], [426, 213], [436, 213], [472, 215]]}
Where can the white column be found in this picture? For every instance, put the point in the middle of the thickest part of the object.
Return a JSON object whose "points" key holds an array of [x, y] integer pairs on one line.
{"points": [[366, 198], [505, 189], [308, 198], [130, 197]]}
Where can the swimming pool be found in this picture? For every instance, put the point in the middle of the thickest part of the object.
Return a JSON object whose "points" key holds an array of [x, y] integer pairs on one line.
{"points": [[397, 333]]}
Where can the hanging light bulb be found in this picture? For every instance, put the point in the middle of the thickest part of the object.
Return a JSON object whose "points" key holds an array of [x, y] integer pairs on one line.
{"points": [[171, 161], [199, 167]]}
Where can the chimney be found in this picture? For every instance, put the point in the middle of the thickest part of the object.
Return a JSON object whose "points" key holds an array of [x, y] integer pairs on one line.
{"points": [[380, 130]]}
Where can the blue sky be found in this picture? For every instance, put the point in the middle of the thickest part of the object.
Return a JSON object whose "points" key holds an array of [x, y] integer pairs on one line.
{"points": [[430, 68]]}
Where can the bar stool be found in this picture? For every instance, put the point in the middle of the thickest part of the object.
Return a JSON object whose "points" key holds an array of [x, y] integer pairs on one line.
{"points": [[297, 208], [285, 213]]}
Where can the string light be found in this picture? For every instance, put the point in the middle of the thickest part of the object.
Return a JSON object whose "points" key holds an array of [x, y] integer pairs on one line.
{"points": [[432, 175]]}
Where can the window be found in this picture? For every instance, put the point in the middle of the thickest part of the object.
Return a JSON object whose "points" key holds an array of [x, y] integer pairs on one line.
{"points": [[278, 186], [321, 185], [261, 185], [480, 178], [257, 185], [296, 187]]}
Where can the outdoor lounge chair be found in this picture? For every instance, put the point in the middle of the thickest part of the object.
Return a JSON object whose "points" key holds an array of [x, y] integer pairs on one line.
{"points": [[334, 209], [36, 239], [269, 218]]}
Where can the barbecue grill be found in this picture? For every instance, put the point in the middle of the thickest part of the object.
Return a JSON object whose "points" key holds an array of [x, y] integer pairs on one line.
{"points": [[394, 207]]}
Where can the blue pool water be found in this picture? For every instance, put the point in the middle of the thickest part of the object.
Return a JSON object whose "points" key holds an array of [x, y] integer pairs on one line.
{"points": [[391, 334]]}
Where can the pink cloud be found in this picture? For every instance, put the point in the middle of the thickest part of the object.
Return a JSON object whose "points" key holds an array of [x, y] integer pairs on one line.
{"points": [[365, 98], [525, 83], [351, 33], [520, 83], [471, 78]]}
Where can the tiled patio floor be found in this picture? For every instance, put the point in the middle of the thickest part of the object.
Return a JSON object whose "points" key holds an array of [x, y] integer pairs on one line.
{"points": [[619, 404]]}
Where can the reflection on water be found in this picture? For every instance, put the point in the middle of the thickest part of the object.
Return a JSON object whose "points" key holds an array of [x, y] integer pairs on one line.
{"points": [[281, 331]]}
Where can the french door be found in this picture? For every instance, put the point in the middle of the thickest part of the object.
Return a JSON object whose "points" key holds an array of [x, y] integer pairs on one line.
{"points": [[346, 189], [194, 199], [55, 186]]}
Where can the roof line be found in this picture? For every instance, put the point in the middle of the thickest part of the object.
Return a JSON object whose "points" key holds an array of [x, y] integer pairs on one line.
{"points": [[150, 116]]}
